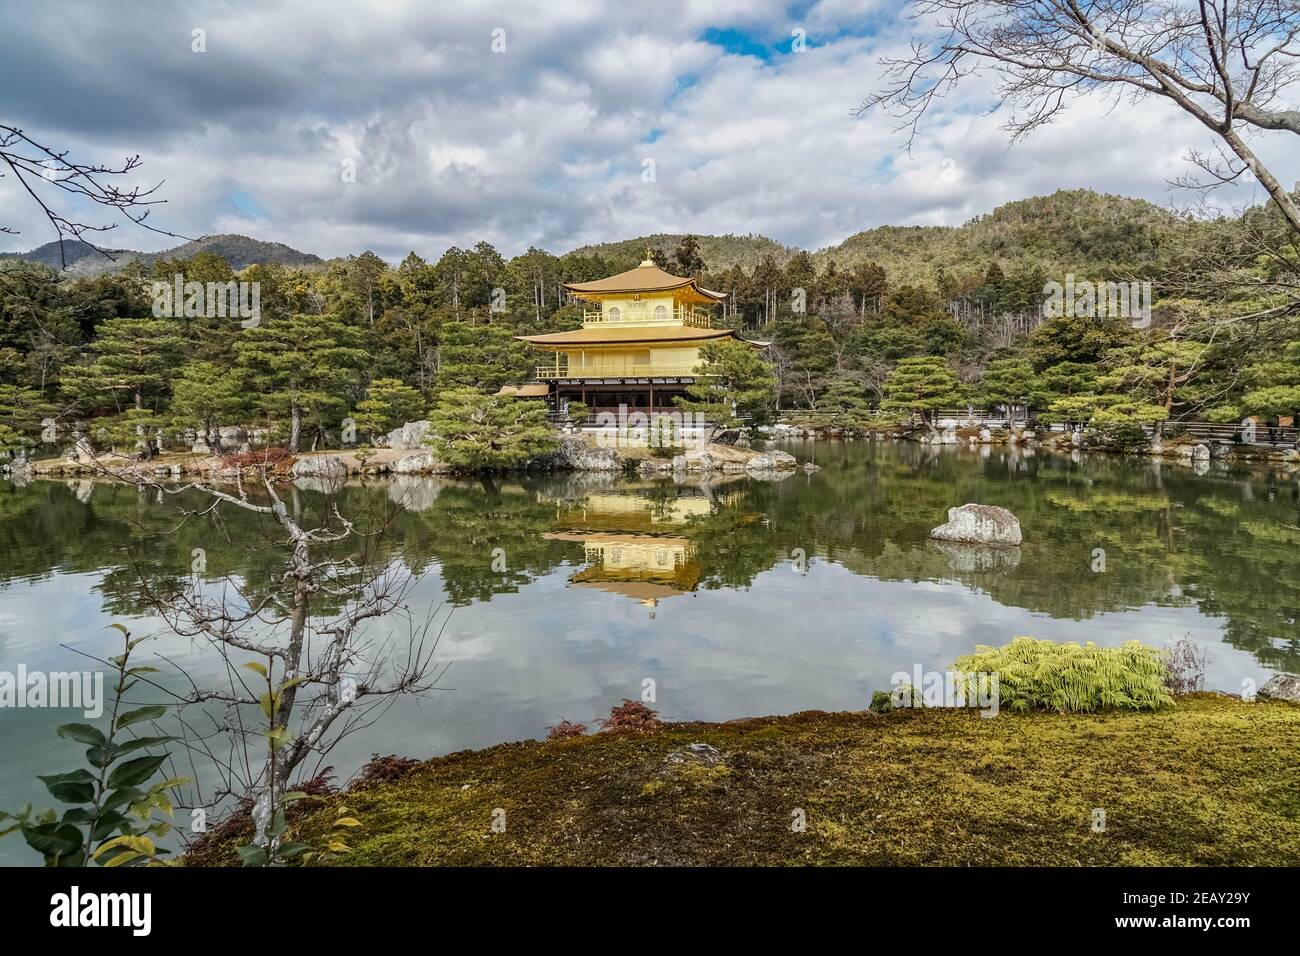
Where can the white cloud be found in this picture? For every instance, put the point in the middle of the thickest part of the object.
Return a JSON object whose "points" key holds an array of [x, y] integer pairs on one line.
{"points": [[542, 144]]}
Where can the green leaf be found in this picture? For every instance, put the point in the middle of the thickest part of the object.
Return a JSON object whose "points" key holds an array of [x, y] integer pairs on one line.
{"points": [[75, 787], [82, 733], [53, 839], [289, 850], [135, 771], [252, 855], [135, 743], [109, 822], [152, 712], [256, 666], [122, 797]]}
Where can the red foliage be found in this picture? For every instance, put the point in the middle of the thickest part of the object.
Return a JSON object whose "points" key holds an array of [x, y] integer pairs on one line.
{"points": [[564, 729], [319, 785], [631, 715], [277, 460], [384, 770]]}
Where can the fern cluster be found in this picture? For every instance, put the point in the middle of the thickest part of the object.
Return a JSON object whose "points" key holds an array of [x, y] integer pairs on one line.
{"points": [[1067, 678]]}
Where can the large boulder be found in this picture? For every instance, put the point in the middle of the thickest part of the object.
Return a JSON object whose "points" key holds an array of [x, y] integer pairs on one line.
{"points": [[409, 437], [234, 438], [320, 466], [1284, 687], [575, 454], [772, 460], [979, 524], [419, 463]]}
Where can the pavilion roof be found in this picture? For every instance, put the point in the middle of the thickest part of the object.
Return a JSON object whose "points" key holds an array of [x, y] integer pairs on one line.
{"points": [[647, 277]]}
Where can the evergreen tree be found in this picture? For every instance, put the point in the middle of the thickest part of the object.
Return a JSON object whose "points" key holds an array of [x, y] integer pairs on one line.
{"points": [[739, 382], [300, 367], [205, 396], [482, 358], [389, 403], [687, 259], [1007, 382], [134, 363], [921, 385], [476, 431]]}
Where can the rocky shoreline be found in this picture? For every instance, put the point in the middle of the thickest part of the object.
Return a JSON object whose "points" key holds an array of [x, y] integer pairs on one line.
{"points": [[1183, 449], [406, 454]]}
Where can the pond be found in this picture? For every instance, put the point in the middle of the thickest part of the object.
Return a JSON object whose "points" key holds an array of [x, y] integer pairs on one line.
{"points": [[556, 596]]}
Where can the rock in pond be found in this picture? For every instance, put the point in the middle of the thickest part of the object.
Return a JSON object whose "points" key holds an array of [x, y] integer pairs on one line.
{"points": [[320, 466], [979, 524], [1281, 687]]}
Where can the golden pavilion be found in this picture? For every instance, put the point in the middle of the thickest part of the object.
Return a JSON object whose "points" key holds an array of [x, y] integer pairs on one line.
{"points": [[639, 347]]}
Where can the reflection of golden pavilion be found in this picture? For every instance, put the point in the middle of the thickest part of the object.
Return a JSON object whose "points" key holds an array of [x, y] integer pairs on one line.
{"points": [[628, 545]]}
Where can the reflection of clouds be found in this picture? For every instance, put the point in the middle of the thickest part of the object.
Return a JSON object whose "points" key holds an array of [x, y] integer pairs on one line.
{"points": [[525, 660]]}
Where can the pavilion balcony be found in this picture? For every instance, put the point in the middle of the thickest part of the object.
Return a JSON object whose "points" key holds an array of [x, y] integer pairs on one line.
{"points": [[628, 370], [649, 315]]}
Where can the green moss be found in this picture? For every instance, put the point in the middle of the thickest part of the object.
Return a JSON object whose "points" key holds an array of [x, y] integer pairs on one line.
{"points": [[1208, 781]]}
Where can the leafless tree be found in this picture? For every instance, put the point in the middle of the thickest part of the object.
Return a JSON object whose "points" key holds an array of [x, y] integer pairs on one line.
{"points": [[1228, 63], [311, 671], [38, 168]]}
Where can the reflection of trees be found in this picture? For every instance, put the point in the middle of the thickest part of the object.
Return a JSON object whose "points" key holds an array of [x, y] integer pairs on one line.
{"points": [[1231, 547]]}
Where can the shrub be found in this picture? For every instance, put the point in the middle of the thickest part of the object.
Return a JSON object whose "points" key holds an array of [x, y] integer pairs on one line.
{"points": [[564, 729], [1185, 663], [384, 770], [631, 715], [1067, 678], [882, 702]]}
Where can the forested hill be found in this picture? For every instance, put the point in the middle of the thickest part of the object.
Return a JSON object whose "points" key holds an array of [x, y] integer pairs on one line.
{"points": [[238, 251], [718, 252], [1070, 231]]}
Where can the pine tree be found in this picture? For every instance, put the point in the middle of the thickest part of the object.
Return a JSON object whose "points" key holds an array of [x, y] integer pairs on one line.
{"points": [[301, 367], [134, 364], [1007, 382], [739, 382], [921, 385], [204, 396], [389, 403], [476, 431]]}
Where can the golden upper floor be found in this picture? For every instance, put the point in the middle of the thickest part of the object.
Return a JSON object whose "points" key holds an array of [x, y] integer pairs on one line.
{"points": [[646, 296]]}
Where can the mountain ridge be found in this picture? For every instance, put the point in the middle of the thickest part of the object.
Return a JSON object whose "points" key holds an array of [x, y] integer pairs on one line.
{"points": [[1072, 229]]}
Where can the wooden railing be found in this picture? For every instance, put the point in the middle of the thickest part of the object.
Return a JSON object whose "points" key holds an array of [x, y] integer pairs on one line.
{"points": [[681, 315], [629, 370]]}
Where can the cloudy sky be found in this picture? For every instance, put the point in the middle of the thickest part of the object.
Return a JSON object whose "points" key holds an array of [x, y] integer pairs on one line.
{"points": [[340, 126]]}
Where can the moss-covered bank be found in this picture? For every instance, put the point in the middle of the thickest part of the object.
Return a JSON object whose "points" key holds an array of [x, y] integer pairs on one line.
{"points": [[1211, 780]]}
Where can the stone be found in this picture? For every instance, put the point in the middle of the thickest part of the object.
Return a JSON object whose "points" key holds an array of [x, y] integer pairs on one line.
{"points": [[772, 460], [704, 755], [419, 463], [575, 454], [233, 438], [809, 467], [979, 524], [80, 450], [1201, 453], [320, 466], [410, 436], [1284, 687], [986, 436]]}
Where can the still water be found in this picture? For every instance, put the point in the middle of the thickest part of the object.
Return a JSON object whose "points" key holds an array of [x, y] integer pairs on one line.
{"points": [[557, 596]]}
